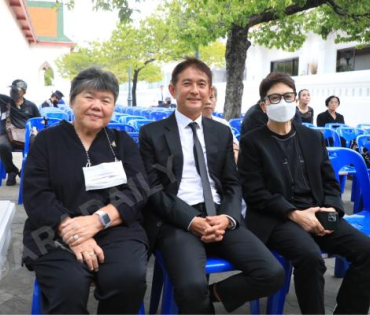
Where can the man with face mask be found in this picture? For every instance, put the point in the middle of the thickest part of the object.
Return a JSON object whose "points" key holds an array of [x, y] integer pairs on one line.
{"points": [[54, 99], [20, 110], [288, 183]]}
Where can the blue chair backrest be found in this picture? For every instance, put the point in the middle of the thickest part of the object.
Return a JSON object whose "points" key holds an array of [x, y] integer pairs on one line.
{"points": [[146, 113], [309, 125], [236, 133], [341, 157], [119, 109], [329, 134], [365, 127], [137, 111], [159, 114], [138, 123], [126, 119], [121, 127], [40, 124], [236, 123], [130, 110], [116, 116], [58, 115], [363, 142], [348, 133], [335, 125]]}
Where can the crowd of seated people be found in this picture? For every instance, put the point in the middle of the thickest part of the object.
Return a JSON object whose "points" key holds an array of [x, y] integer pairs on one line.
{"points": [[99, 205]]}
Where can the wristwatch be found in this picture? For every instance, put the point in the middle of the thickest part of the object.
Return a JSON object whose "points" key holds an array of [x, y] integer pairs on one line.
{"points": [[104, 218]]}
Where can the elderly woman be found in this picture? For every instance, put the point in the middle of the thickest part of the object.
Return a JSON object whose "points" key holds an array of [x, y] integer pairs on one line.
{"points": [[294, 202], [83, 193], [331, 115]]}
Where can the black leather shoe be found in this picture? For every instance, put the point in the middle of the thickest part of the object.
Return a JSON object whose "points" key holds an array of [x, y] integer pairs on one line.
{"points": [[11, 179]]}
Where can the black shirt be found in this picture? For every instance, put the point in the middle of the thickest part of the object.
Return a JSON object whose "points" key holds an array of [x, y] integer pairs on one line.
{"points": [[307, 117], [296, 170], [18, 115], [325, 118]]}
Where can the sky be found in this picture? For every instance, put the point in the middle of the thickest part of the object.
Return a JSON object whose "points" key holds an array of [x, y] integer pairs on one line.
{"points": [[83, 24]]}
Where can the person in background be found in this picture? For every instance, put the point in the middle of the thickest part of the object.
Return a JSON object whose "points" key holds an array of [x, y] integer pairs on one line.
{"points": [[331, 115], [20, 111], [208, 110], [54, 99], [255, 117], [161, 96], [83, 193], [195, 209], [305, 111], [288, 185]]}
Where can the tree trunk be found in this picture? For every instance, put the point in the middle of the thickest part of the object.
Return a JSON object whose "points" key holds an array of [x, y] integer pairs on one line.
{"points": [[134, 84], [236, 54]]}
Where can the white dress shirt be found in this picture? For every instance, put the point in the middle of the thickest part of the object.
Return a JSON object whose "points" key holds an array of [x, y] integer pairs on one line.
{"points": [[191, 189]]}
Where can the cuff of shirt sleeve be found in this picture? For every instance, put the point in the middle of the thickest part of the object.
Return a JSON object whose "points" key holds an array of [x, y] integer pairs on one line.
{"points": [[232, 223], [190, 223]]}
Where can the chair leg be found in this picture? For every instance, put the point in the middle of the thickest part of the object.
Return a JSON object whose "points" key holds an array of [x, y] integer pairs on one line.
{"points": [[36, 299], [20, 193], [341, 266], [169, 305], [275, 302], [255, 307]]}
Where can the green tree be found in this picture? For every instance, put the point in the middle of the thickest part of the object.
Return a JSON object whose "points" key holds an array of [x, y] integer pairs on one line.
{"points": [[272, 23]]}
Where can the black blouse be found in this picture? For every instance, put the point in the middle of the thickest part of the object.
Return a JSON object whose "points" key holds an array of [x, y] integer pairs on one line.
{"points": [[54, 186]]}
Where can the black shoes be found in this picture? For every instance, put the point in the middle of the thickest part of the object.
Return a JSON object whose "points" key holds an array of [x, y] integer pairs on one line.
{"points": [[11, 179]]}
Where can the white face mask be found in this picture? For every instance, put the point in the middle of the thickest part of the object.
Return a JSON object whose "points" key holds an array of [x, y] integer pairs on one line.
{"points": [[281, 112], [104, 175]]}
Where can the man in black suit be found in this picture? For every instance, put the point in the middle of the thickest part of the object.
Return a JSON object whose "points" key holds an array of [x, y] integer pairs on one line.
{"points": [[196, 208], [287, 182]]}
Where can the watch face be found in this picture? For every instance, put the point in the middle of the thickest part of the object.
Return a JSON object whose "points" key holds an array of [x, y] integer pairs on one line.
{"points": [[105, 218]]}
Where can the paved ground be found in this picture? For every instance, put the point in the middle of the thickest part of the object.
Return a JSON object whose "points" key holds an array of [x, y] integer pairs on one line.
{"points": [[17, 282]]}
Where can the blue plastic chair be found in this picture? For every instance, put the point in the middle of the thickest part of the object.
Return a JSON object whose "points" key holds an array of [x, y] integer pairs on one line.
{"points": [[329, 134], [134, 136], [236, 133], [363, 142], [121, 127], [39, 124], [119, 109], [236, 123], [349, 134], [161, 282], [275, 302], [341, 157], [335, 125], [308, 125], [36, 301], [116, 116], [159, 114], [61, 115]]}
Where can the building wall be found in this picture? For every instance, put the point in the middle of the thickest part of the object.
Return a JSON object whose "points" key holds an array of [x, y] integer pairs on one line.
{"points": [[21, 60]]}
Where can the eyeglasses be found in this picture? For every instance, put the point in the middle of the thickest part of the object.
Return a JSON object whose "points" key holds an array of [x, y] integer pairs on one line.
{"points": [[276, 98]]}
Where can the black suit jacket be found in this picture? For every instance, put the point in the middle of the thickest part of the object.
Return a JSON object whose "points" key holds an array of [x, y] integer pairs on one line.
{"points": [[161, 151], [265, 180]]}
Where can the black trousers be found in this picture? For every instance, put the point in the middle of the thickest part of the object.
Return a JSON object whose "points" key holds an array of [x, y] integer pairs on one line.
{"points": [[185, 257], [6, 155], [304, 250], [120, 281]]}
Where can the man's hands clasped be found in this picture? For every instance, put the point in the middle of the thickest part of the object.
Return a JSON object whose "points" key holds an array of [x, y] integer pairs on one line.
{"points": [[210, 229]]}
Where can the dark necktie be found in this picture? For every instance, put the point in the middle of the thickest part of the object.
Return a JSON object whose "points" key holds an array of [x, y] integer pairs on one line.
{"points": [[202, 169]]}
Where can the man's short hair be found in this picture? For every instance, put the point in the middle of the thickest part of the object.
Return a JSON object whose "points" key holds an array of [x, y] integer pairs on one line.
{"points": [[58, 94], [329, 99], [191, 62], [275, 78], [95, 79]]}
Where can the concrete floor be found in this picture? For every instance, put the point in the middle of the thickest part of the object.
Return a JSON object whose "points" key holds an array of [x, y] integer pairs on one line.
{"points": [[16, 284]]}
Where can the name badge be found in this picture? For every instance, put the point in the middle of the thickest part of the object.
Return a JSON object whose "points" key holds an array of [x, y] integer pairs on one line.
{"points": [[104, 175]]}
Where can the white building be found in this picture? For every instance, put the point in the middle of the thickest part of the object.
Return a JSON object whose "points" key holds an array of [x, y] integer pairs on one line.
{"points": [[32, 37]]}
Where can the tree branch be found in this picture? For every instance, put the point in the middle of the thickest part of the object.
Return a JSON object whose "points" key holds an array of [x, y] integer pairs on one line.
{"points": [[342, 12]]}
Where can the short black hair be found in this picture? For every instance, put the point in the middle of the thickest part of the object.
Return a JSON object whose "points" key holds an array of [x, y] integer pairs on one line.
{"points": [[57, 94], [96, 79], [275, 78], [329, 99], [191, 62]]}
